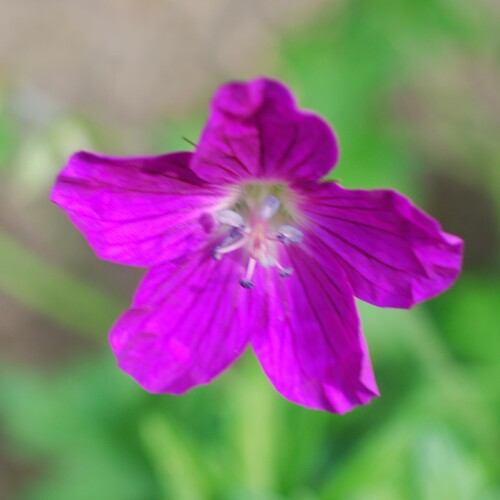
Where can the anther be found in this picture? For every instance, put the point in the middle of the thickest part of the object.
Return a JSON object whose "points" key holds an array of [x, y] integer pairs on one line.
{"points": [[269, 207], [289, 234], [246, 283], [230, 217], [284, 271]]}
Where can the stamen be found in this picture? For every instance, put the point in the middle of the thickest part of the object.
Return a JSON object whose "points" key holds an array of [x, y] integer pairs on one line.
{"points": [[284, 271], [269, 207], [235, 240], [289, 234], [246, 282]]}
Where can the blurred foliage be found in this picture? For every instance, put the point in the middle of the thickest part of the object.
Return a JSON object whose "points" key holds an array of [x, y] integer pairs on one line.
{"points": [[433, 434]]}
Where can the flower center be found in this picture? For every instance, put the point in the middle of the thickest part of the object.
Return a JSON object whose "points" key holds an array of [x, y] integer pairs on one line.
{"points": [[259, 233]]}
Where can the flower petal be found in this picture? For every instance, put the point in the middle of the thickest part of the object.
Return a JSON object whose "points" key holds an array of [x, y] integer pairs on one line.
{"points": [[256, 131], [138, 211], [393, 254], [313, 349], [189, 321]]}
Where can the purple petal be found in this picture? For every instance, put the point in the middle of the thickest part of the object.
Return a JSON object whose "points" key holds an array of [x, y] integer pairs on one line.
{"points": [[138, 211], [256, 131], [189, 321], [312, 347], [393, 254]]}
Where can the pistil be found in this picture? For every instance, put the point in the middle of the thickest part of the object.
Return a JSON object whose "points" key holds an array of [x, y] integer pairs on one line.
{"points": [[259, 238]]}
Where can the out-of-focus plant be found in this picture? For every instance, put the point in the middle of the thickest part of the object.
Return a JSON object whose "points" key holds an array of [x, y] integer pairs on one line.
{"points": [[434, 433]]}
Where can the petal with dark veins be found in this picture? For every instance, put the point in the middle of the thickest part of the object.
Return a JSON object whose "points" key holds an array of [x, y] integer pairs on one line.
{"points": [[394, 254], [311, 346], [138, 211], [189, 321], [256, 131]]}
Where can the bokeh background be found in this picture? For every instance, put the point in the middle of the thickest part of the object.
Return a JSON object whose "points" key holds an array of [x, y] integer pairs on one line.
{"points": [[412, 89]]}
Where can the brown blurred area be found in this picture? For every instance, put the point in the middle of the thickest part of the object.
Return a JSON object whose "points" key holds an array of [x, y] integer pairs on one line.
{"points": [[131, 62], [126, 65]]}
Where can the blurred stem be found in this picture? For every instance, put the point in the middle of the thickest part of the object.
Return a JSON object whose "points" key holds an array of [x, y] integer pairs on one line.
{"points": [[52, 292], [174, 460], [255, 427]]}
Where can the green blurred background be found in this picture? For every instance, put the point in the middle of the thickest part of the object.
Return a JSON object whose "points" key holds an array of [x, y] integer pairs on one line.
{"points": [[412, 89]]}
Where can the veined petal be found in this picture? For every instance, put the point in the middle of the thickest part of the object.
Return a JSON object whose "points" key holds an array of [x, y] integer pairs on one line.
{"points": [[312, 348], [255, 130], [393, 253], [189, 321], [138, 211]]}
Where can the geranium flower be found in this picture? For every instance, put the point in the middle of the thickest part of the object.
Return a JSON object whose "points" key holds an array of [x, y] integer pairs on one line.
{"points": [[246, 246]]}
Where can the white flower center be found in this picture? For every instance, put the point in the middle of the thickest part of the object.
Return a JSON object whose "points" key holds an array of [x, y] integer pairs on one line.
{"points": [[258, 235]]}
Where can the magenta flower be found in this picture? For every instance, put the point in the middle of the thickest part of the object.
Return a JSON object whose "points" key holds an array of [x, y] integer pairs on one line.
{"points": [[247, 247]]}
